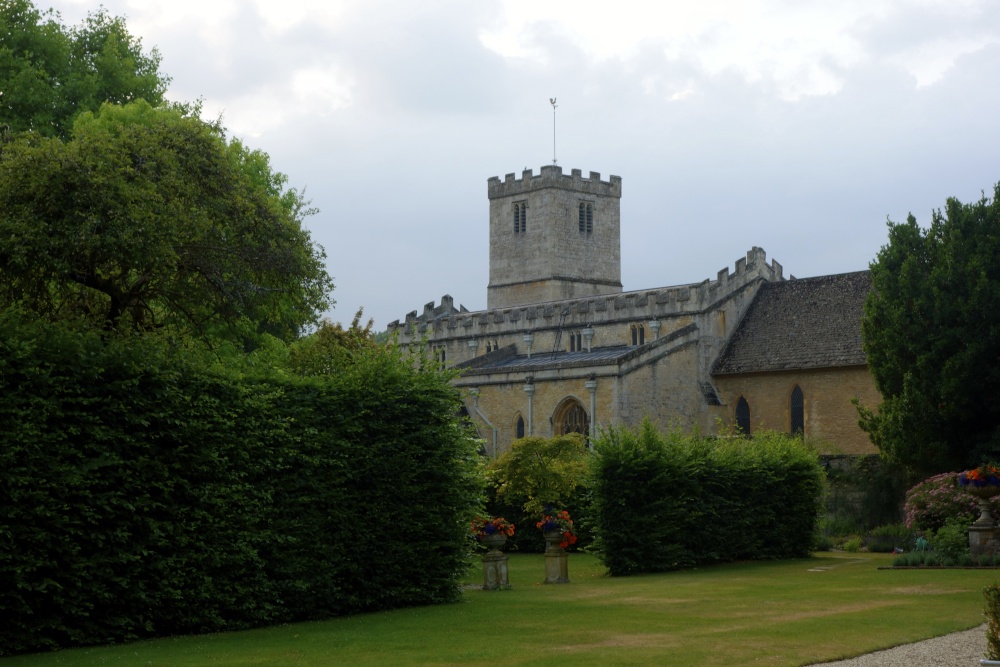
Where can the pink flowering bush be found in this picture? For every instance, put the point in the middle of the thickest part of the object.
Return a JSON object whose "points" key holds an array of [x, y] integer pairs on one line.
{"points": [[933, 501]]}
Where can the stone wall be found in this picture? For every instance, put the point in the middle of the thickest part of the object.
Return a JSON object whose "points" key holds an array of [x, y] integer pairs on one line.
{"points": [[717, 305], [831, 420], [654, 381]]}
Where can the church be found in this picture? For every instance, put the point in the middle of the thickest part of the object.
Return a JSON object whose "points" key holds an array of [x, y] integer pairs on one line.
{"points": [[561, 348]]}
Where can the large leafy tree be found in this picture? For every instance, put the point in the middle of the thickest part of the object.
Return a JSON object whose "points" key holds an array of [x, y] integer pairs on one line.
{"points": [[147, 218], [541, 473], [50, 74], [931, 331]]}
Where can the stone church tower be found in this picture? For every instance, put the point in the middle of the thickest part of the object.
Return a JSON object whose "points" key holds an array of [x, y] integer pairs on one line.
{"points": [[553, 237]]}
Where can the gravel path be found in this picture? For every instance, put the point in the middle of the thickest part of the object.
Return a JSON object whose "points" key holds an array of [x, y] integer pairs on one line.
{"points": [[960, 649]]}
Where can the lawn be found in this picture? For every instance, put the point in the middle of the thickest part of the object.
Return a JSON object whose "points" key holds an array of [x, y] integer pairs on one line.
{"points": [[795, 612]]}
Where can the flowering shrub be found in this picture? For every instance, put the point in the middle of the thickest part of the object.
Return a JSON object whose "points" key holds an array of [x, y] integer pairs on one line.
{"points": [[483, 526], [982, 476], [933, 501], [561, 522]]}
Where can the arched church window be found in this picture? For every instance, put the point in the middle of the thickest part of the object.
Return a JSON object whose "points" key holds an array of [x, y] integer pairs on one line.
{"points": [[519, 427], [797, 412], [571, 418], [743, 416]]}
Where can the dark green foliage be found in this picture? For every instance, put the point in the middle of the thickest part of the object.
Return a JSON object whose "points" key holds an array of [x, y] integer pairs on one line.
{"points": [[931, 333], [49, 74], [952, 539], [992, 613], [863, 491], [141, 495], [886, 539], [935, 558], [674, 501], [149, 219]]}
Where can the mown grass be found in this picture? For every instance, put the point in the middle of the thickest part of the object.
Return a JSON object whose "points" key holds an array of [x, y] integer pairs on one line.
{"points": [[773, 613]]}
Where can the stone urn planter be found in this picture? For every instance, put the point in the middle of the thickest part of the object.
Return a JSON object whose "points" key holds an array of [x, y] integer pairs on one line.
{"points": [[983, 494], [492, 532], [557, 530], [982, 483]]}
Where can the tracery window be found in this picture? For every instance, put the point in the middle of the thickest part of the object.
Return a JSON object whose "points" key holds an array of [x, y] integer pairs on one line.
{"points": [[571, 418], [796, 412]]}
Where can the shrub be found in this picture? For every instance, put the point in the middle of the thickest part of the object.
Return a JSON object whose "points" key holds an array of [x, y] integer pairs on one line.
{"points": [[666, 501], [933, 501], [854, 544], [839, 526], [823, 543], [143, 495], [952, 539], [863, 492], [885, 539]]}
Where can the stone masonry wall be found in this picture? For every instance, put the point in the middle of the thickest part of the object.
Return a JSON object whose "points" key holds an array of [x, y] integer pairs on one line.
{"points": [[716, 304], [831, 420], [654, 382]]}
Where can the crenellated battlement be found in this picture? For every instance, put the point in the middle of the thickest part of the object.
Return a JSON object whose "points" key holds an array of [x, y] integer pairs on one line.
{"points": [[444, 321], [552, 176]]}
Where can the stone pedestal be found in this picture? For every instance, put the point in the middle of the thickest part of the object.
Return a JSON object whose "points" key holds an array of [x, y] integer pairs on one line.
{"points": [[983, 534], [984, 541], [495, 571], [556, 559], [494, 563]]}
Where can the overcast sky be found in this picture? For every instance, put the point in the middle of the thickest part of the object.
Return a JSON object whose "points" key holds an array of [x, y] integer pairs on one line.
{"points": [[796, 126]]}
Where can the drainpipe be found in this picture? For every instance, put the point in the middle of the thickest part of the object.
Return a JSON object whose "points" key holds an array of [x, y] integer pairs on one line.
{"points": [[529, 389], [475, 408], [528, 340], [591, 386], [588, 335]]}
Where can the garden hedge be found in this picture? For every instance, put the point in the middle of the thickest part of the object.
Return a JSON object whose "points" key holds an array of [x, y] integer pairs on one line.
{"points": [[141, 495], [663, 502]]}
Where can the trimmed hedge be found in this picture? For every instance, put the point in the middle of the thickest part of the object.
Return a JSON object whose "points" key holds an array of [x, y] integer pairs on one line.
{"points": [[663, 502], [143, 496]]}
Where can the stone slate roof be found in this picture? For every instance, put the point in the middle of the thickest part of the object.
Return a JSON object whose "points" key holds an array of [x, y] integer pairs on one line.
{"points": [[506, 359], [596, 356], [798, 324]]}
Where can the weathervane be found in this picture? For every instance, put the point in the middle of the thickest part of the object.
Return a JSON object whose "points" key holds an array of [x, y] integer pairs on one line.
{"points": [[552, 101]]}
